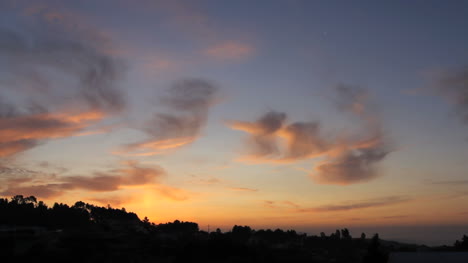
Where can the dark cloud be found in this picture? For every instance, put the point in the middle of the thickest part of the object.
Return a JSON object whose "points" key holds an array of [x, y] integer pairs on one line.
{"points": [[375, 202], [22, 132], [302, 139], [391, 200], [347, 160], [43, 191], [351, 99], [13, 147], [263, 140], [41, 57], [453, 85], [41, 185], [57, 79], [357, 159], [189, 102], [353, 166]]}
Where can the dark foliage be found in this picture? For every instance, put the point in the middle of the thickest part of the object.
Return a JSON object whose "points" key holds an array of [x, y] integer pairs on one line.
{"points": [[30, 231]]}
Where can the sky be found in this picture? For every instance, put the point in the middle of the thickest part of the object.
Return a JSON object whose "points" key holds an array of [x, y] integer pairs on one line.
{"points": [[306, 115]]}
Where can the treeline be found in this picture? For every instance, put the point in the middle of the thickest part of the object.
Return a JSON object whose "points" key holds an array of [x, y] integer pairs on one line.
{"points": [[27, 211], [30, 230]]}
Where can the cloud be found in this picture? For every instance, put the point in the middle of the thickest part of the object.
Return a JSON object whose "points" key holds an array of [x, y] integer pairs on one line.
{"points": [[114, 200], [351, 167], [205, 181], [351, 99], [243, 189], [172, 193], [356, 160], [57, 79], [42, 62], [42, 185], [346, 160], [280, 204], [263, 139], [384, 201], [345, 206], [230, 50], [453, 85], [189, 102], [19, 133], [451, 182], [271, 140], [396, 217], [8, 171]]}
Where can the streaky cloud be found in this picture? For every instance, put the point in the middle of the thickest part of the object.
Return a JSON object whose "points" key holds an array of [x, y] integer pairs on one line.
{"points": [[355, 161], [230, 50], [188, 102], [338, 207], [130, 174], [243, 189], [19, 133], [378, 202], [58, 79], [453, 85]]}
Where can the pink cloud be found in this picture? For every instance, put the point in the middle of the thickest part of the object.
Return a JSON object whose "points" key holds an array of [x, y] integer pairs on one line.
{"points": [[230, 50]]}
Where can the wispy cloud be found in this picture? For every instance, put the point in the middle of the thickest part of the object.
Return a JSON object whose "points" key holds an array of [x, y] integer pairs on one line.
{"points": [[189, 102], [44, 54], [451, 182], [230, 50], [453, 85], [356, 160], [395, 217], [24, 131], [384, 201], [347, 160], [44, 185], [344, 206], [172, 193], [242, 189], [205, 181]]}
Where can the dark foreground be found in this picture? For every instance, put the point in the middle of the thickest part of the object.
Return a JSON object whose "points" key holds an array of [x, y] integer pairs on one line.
{"points": [[32, 232]]}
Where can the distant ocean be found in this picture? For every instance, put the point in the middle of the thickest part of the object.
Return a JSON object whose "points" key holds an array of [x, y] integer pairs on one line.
{"points": [[423, 235]]}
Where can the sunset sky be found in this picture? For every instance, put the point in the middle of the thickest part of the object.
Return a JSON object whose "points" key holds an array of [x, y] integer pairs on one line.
{"points": [[311, 115]]}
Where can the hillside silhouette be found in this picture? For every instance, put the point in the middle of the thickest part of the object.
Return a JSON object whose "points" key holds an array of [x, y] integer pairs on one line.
{"points": [[32, 231]]}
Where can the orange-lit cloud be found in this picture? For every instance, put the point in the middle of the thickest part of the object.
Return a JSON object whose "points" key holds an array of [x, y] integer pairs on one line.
{"points": [[149, 148], [20, 133], [272, 140], [230, 50], [58, 84], [172, 193], [42, 185], [347, 160], [205, 181]]}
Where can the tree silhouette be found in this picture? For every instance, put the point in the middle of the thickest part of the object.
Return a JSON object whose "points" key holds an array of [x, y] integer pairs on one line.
{"points": [[88, 233], [374, 252], [463, 244]]}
